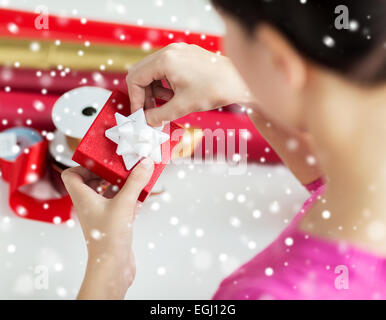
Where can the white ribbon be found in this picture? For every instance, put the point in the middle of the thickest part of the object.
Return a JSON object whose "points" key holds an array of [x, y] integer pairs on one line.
{"points": [[136, 139]]}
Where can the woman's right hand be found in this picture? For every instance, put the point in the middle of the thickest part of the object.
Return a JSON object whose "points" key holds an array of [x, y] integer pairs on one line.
{"points": [[199, 80]]}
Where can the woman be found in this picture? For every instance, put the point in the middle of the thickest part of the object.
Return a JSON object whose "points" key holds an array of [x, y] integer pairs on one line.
{"points": [[308, 79]]}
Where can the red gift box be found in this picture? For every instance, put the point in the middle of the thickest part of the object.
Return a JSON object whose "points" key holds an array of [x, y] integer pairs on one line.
{"points": [[97, 153]]}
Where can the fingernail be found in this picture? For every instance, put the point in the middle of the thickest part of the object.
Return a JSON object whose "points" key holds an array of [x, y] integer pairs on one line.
{"points": [[147, 163]]}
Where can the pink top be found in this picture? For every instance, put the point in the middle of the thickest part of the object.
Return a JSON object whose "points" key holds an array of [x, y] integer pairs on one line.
{"points": [[299, 266]]}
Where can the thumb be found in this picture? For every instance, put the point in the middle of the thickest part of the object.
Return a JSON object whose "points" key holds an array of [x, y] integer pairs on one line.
{"points": [[79, 191], [169, 111], [138, 179]]}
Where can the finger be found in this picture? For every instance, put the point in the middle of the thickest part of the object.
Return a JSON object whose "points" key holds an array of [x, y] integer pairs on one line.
{"points": [[167, 112], [149, 98], [84, 173], [138, 207], [142, 76], [138, 179], [162, 93], [137, 97], [111, 192], [96, 184], [74, 180]]}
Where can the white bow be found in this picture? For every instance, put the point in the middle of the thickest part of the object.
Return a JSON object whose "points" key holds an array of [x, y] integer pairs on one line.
{"points": [[136, 139]]}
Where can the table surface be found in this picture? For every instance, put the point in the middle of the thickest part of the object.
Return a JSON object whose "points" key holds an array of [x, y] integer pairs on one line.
{"points": [[186, 240]]}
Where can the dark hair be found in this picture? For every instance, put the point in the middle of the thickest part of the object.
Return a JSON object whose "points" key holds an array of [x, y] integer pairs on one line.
{"points": [[359, 52]]}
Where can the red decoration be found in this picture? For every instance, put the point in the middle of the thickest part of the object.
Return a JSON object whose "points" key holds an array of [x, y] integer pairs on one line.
{"points": [[258, 148], [98, 153], [72, 29], [35, 110], [25, 80], [18, 173]]}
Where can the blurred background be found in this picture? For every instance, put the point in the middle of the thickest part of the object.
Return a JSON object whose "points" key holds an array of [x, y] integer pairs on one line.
{"points": [[203, 225], [194, 15]]}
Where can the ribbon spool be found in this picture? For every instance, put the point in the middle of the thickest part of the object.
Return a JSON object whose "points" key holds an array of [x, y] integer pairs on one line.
{"points": [[24, 165], [72, 114]]}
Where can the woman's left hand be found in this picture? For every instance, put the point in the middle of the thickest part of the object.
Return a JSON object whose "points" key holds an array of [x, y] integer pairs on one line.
{"points": [[107, 224]]}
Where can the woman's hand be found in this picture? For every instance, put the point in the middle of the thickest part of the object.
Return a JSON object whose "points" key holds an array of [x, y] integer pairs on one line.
{"points": [[107, 224], [199, 80]]}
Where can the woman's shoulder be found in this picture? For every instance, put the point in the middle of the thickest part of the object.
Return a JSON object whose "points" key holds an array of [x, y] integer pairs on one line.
{"points": [[269, 272], [273, 271], [260, 278]]}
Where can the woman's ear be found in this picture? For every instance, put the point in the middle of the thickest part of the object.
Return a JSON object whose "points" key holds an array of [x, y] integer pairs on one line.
{"points": [[284, 56]]}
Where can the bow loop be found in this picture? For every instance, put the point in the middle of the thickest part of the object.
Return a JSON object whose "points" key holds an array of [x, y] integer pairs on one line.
{"points": [[136, 139]]}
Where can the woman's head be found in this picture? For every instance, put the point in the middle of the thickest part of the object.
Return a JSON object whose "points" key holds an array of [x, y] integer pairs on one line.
{"points": [[280, 46]]}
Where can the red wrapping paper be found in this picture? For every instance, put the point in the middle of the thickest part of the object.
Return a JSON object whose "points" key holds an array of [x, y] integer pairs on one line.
{"points": [[40, 119], [98, 153], [17, 173], [258, 148], [72, 29], [26, 109], [57, 82]]}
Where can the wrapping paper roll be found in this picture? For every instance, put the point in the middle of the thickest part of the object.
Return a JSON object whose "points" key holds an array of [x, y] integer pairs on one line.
{"points": [[78, 56], [21, 24], [26, 109], [59, 81], [37, 114], [257, 148], [78, 45]]}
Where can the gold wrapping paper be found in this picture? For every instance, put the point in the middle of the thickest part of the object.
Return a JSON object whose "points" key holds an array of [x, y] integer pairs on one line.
{"points": [[72, 142], [77, 56], [190, 140]]}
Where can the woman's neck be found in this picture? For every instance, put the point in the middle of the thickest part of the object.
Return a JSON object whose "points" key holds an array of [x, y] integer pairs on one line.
{"points": [[349, 125]]}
